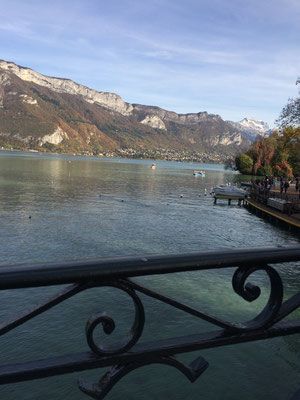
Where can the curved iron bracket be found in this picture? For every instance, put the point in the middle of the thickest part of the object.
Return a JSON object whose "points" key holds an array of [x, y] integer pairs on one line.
{"points": [[99, 390]]}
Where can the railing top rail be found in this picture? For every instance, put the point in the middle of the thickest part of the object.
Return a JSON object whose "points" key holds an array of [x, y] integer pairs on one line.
{"points": [[46, 274]]}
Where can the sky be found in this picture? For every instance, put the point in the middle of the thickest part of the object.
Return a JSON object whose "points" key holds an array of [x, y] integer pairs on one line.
{"points": [[235, 58]]}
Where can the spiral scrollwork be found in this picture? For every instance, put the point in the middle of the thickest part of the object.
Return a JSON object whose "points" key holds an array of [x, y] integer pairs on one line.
{"points": [[108, 325], [251, 292]]}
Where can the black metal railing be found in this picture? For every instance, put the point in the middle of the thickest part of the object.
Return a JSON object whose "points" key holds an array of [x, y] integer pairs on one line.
{"points": [[130, 354]]}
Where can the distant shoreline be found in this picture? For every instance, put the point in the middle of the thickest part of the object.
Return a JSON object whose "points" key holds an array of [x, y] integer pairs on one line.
{"points": [[77, 157], [136, 154]]}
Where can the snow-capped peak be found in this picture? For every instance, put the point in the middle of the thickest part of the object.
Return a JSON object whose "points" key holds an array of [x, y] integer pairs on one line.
{"points": [[259, 127], [251, 129]]}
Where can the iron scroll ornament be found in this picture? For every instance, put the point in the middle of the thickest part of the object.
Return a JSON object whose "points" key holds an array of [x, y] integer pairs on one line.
{"points": [[108, 325], [251, 292], [99, 390], [248, 291]]}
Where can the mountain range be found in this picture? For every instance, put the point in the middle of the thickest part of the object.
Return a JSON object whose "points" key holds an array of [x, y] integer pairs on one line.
{"points": [[54, 114]]}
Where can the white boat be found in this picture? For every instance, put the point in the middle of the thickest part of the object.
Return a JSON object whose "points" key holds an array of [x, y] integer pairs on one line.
{"points": [[229, 192], [199, 173], [153, 166]]}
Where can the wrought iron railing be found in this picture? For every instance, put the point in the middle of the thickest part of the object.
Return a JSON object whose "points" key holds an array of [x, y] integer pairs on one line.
{"points": [[131, 354]]}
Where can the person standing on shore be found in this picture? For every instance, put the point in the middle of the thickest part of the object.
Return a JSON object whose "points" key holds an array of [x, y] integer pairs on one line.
{"points": [[281, 185], [286, 185]]}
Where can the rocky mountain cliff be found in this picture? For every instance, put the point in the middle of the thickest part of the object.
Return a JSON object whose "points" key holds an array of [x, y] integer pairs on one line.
{"points": [[55, 114]]}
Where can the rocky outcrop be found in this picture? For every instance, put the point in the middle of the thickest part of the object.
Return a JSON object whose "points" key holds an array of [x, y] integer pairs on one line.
{"points": [[231, 139], [27, 99], [165, 115], [105, 99], [154, 121], [54, 138], [4, 78]]}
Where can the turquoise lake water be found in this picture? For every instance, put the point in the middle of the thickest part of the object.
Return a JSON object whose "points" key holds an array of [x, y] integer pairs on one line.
{"points": [[84, 207]]}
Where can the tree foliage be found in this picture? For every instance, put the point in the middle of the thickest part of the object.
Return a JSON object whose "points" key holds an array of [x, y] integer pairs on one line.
{"points": [[277, 155], [244, 164], [290, 114]]}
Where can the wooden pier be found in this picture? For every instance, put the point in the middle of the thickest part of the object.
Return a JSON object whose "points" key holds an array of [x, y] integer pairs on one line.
{"points": [[229, 198], [291, 221], [272, 204]]}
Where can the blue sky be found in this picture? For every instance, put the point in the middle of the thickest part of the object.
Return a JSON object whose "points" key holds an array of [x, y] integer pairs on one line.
{"points": [[235, 58]]}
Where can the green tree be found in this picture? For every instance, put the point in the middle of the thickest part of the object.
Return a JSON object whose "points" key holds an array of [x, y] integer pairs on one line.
{"points": [[293, 149], [244, 164]]}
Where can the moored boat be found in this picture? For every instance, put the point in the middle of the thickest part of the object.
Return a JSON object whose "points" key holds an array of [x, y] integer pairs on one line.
{"points": [[199, 173], [229, 192]]}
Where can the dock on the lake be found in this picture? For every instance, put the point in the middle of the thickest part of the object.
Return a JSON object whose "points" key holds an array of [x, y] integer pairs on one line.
{"points": [[291, 221], [229, 198]]}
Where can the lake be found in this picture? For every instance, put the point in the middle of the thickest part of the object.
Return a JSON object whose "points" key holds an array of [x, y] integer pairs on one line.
{"points": [[59, 208]]}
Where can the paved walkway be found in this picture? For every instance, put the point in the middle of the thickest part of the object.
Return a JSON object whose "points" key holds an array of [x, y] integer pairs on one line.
{"points": [[291, 190]]}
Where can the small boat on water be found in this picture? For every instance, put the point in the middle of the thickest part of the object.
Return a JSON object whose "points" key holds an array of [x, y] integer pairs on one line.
{"points": [[199, 173], [153, 166], [229, 192]]}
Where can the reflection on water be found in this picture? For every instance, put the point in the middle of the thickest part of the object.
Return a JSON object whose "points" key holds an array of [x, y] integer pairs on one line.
{"points": [[87, 208]]}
